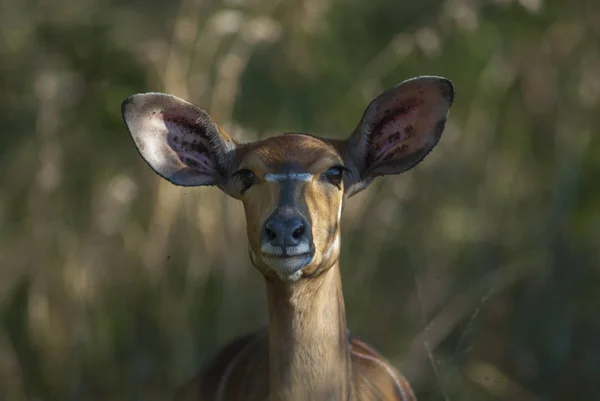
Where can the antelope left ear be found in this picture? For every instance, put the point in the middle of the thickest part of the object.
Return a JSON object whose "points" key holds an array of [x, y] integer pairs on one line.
{"points": [[178, 139], [398, 129]]}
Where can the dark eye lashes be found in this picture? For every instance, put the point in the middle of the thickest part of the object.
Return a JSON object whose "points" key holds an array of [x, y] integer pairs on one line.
{"points": [[335, 174], [247, 178]]}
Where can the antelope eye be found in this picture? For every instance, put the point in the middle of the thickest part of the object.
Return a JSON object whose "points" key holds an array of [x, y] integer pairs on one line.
{"points": [[247, 178], [334, 175]]}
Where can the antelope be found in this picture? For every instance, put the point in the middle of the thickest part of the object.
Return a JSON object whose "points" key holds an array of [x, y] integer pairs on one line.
{"points": [[293, 187]]}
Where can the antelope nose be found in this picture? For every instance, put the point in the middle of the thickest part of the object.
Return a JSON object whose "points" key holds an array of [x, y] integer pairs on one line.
{"points": [[285, 231]]}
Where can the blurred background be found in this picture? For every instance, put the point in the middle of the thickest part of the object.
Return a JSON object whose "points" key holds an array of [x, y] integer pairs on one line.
{"points": [[476, 273]]}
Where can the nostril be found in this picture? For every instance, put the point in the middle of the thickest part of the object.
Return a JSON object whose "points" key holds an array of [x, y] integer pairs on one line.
{"points": [[298, 232], [270, 233]]}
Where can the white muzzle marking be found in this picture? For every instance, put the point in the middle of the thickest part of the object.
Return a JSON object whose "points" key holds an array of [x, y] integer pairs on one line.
{"points": [[300, 249]]}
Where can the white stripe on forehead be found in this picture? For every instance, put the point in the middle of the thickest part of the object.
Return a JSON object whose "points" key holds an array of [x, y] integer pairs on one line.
{"points": [[288, 176]]}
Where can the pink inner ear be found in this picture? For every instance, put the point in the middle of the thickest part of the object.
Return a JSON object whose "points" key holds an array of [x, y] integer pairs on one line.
{"points": [[188, 139], [397, 130]]}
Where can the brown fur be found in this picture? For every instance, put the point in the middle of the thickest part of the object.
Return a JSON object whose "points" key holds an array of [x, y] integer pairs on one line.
{"points": [[318, 200], [305, 354], [350, 370]]}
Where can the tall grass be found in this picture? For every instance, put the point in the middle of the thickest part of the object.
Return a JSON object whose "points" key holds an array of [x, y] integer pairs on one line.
{"points": [[476, 272]]}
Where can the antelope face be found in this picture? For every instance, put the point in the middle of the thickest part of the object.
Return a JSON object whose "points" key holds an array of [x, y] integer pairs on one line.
{"points": [[292, 186], [292, 189]]}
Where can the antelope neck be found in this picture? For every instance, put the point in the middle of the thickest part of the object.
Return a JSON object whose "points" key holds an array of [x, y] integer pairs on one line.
{"points": [[308, 347]]}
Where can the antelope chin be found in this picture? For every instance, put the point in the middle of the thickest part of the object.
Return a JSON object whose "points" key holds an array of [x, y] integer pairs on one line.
{"points": [[289, 268]]}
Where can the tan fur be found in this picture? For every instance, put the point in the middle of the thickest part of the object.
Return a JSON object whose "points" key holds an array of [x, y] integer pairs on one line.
{"points": [[305, 354], [318, 200], [329, 364]]}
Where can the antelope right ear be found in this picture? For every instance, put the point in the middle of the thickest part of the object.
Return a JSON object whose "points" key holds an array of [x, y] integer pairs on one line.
{"points": [[178, 140], [398, 129]]}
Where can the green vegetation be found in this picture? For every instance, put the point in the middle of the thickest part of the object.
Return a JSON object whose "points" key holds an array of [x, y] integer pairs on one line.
{"points": [[477, 273]]}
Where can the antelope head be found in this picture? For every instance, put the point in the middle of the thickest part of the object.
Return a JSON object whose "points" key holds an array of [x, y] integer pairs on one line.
{"points": [[292, 186]]}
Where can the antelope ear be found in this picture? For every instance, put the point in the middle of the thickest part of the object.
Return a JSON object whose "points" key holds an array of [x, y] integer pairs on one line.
{"points": [[178, 140], [398, 129]]}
